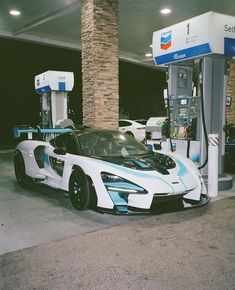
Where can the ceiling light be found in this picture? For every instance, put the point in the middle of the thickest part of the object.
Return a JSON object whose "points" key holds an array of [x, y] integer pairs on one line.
{"points": [[165, 11], [151, 45], [14, 12], [148, 54]]}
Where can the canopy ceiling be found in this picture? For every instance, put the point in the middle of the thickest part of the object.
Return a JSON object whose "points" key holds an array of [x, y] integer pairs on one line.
{"points": [[57, 22]]}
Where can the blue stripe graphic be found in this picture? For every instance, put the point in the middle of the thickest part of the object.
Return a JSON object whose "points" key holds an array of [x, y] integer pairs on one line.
{"points": [[62, 86], [46, 158], [116, 198], [43, 89], [183, 169], [141, 164], [181, 172], [183, 54]]}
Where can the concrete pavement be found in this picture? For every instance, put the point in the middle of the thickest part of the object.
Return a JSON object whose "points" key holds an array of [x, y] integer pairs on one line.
{"points": [[193, 249]]}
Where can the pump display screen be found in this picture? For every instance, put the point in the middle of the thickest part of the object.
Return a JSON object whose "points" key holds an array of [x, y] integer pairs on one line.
{"points": [[184, 102]]}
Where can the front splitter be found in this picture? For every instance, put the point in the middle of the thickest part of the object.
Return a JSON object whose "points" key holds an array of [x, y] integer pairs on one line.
{"points": [[159, 207]]}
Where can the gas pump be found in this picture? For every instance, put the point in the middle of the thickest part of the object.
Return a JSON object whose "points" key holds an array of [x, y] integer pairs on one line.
{"points": [[185, 116], [53, 86], [184, 111], [211, 38]]}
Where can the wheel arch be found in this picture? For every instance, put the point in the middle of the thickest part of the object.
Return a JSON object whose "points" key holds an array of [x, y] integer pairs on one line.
{"points": [[18, 151], [93, 194], [130, 133]]}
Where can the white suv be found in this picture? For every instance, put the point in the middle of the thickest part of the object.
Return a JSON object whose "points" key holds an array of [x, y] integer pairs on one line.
{"points": [[132, 128]]}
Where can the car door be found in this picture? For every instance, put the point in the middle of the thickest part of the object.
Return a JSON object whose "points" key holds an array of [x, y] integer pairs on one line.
{"points": [[57, 157], [124, 126]]}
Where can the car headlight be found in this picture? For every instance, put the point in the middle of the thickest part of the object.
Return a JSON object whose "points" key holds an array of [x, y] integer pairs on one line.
{"points": [[108, 177], [116, 183]]}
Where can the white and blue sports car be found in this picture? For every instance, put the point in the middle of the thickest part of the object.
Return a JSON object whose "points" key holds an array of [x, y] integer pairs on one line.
{"points": [[110, 171]]}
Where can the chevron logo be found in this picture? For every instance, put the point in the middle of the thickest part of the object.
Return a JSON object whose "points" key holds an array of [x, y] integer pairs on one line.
{"points": [[166, 40]]}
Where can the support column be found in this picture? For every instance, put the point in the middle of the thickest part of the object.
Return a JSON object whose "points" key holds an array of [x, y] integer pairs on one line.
{"points": [[99, 34], [231, 93], [214, 84]]}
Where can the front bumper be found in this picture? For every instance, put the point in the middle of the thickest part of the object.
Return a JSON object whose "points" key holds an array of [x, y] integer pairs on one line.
{"points": [[159, 205]]}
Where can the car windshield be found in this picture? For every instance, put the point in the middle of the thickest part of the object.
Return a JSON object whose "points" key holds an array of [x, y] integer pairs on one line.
{"points": [[110, 143]]}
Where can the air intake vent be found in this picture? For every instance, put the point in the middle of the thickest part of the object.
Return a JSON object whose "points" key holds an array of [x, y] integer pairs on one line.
{"points": [[161, 194]]}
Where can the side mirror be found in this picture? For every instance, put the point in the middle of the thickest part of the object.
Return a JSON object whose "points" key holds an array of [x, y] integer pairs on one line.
{"points": [[157, 146], [59, 151]]}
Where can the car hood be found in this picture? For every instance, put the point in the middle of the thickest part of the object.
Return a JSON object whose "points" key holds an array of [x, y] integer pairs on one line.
{"points": [[144, 163]]}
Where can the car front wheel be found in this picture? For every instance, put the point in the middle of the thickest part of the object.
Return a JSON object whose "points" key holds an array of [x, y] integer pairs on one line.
{"points": [[79, 189]]}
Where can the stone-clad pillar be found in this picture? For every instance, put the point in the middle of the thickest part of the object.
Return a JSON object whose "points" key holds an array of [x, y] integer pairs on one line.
{"points": [[231, 93], [99, 34]]}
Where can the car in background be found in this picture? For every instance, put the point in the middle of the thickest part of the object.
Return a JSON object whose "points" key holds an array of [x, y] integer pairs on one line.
{"points": [[133, 128], [141, 121]]}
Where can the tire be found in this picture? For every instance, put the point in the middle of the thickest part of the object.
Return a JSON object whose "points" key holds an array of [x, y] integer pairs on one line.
{"points": [[79, 193], [19, 167], [130, 134]]}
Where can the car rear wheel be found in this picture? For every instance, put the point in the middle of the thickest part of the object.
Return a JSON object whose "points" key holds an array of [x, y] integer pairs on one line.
{"points": [[79, 193], [19, 167], [130, 133]]}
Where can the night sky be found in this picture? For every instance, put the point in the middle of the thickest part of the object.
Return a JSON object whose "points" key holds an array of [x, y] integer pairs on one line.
{"points": [[141, 88]]}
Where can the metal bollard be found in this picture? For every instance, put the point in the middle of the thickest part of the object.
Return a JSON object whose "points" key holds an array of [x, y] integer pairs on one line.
{"points": [[213, 164]]}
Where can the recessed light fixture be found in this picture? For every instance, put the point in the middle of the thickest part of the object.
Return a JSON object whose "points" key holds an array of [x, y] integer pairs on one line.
{"points": [[165, 11], [148, 54], [14, 12], [151, 45]]}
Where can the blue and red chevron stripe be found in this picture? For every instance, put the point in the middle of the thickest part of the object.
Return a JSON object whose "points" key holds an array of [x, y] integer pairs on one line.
{"points": [[166, 41]]}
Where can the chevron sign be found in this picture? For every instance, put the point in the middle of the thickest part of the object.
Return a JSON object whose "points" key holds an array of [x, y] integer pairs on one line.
{"points": [[166, 40]]}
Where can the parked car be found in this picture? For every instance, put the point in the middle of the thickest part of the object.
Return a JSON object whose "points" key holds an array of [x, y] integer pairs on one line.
{"points": [[141, 121], [132, 128], [108, 170]]}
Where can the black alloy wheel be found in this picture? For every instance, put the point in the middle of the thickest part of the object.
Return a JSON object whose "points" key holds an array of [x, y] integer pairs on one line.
{"points": [[19, 167], [79, 193]]}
